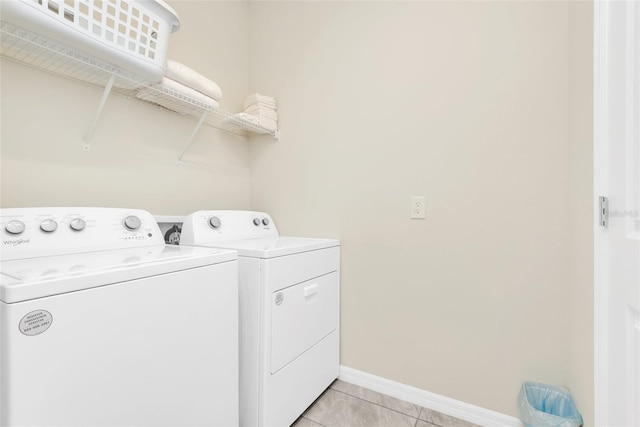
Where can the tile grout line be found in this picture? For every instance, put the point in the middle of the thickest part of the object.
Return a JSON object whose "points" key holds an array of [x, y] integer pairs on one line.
{"points": [[315, 422], [377, 404], [391, 409], [382, 394], [419, 413], [314, 404], [429, 423]]}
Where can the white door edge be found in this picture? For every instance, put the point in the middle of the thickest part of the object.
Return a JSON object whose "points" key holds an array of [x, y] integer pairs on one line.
{"points": [[600, 78], [616, 129]]}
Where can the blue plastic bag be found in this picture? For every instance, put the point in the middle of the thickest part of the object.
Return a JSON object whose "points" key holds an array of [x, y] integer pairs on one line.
{"points": [[547, 405]]}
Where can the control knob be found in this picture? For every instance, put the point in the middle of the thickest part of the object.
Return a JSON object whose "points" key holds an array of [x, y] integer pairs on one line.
{"points": [[265, 221], [131, 223], [14, 226], [256, 221], [214, 222], [48, 225], [77, 224]]}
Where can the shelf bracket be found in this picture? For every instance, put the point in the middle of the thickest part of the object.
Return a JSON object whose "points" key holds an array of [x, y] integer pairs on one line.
{"points": [[192, 137], [96, 117]]}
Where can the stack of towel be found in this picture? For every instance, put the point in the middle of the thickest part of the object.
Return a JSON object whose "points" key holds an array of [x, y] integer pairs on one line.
{"points": [[261, 110], [183, 80]]}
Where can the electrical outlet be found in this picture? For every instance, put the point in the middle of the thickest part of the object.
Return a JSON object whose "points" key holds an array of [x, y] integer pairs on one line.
{"points": [[418, 207]]}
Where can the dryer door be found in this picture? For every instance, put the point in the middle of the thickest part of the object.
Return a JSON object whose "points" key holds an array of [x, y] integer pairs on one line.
{"points": [[302, 315]]}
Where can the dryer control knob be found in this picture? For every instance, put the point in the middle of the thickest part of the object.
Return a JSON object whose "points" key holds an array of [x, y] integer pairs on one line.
{"points": [[14, 226], [256, 221], [214, 222], [265, 221], [48, 225], [131, 223], [77, 224]]}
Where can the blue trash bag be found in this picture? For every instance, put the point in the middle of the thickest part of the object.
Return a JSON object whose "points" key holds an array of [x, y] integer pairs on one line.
{"points": [[547, 405]]}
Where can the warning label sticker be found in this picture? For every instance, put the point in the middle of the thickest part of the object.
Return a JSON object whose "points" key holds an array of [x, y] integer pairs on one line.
{"points": [[36, 322]]}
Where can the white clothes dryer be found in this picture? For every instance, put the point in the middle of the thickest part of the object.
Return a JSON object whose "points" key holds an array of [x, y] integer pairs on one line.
{"points": [[101, 324], [289, 312]]}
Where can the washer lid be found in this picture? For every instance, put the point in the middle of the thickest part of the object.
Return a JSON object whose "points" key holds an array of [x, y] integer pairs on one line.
{"points": [[276, 246], [31, 278]]}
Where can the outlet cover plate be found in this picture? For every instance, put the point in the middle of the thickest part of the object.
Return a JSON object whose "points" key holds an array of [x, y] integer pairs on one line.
{"points": [[418, 207]]}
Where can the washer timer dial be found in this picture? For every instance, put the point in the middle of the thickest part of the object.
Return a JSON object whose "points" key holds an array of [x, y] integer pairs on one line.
{"points": [[77, 224], [131, 223], [214, 222], [14, 226], [48, 225]]}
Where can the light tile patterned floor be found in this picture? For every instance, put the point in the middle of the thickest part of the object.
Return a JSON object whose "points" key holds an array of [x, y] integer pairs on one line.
{"points": [[347, 405]]}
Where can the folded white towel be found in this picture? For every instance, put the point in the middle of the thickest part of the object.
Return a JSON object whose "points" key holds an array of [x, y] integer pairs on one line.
{"points": [[261, 105], [262, 112], [188, 77], [256, 98], [159, 97], [270, 104]]}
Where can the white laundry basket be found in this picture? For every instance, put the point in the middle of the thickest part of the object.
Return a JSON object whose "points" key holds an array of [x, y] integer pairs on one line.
{"points": [[130, 34]]}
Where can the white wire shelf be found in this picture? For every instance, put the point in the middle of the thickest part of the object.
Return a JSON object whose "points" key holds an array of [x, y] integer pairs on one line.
{"points": [[36, 51]]}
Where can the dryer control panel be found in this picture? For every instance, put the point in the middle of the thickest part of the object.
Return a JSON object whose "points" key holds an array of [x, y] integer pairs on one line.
{"points": [[203, 227], [37, 232]]}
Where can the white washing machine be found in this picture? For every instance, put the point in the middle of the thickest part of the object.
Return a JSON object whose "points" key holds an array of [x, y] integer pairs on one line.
{"points": [[289, 312], [102, 325]]}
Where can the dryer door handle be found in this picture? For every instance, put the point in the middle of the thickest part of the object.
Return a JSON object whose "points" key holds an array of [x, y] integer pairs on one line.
{"points": [[310, 290]]}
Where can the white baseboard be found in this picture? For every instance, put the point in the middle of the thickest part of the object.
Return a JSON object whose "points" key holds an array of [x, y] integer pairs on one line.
{"points": [[426, 399]]}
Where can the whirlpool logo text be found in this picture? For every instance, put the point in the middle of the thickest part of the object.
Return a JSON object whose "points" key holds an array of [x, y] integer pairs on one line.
{"points": [[16, 242]]}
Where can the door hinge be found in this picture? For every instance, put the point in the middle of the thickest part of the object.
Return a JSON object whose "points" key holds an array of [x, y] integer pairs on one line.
{"points": [[604, 211]]}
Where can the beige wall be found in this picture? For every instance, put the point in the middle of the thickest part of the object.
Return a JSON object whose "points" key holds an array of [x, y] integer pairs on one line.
{"points": [[134, 148], [581, 363], [466, 103]]}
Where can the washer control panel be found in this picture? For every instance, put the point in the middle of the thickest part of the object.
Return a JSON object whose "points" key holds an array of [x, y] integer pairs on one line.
{"points": [[34, 232], [215, 226]]}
